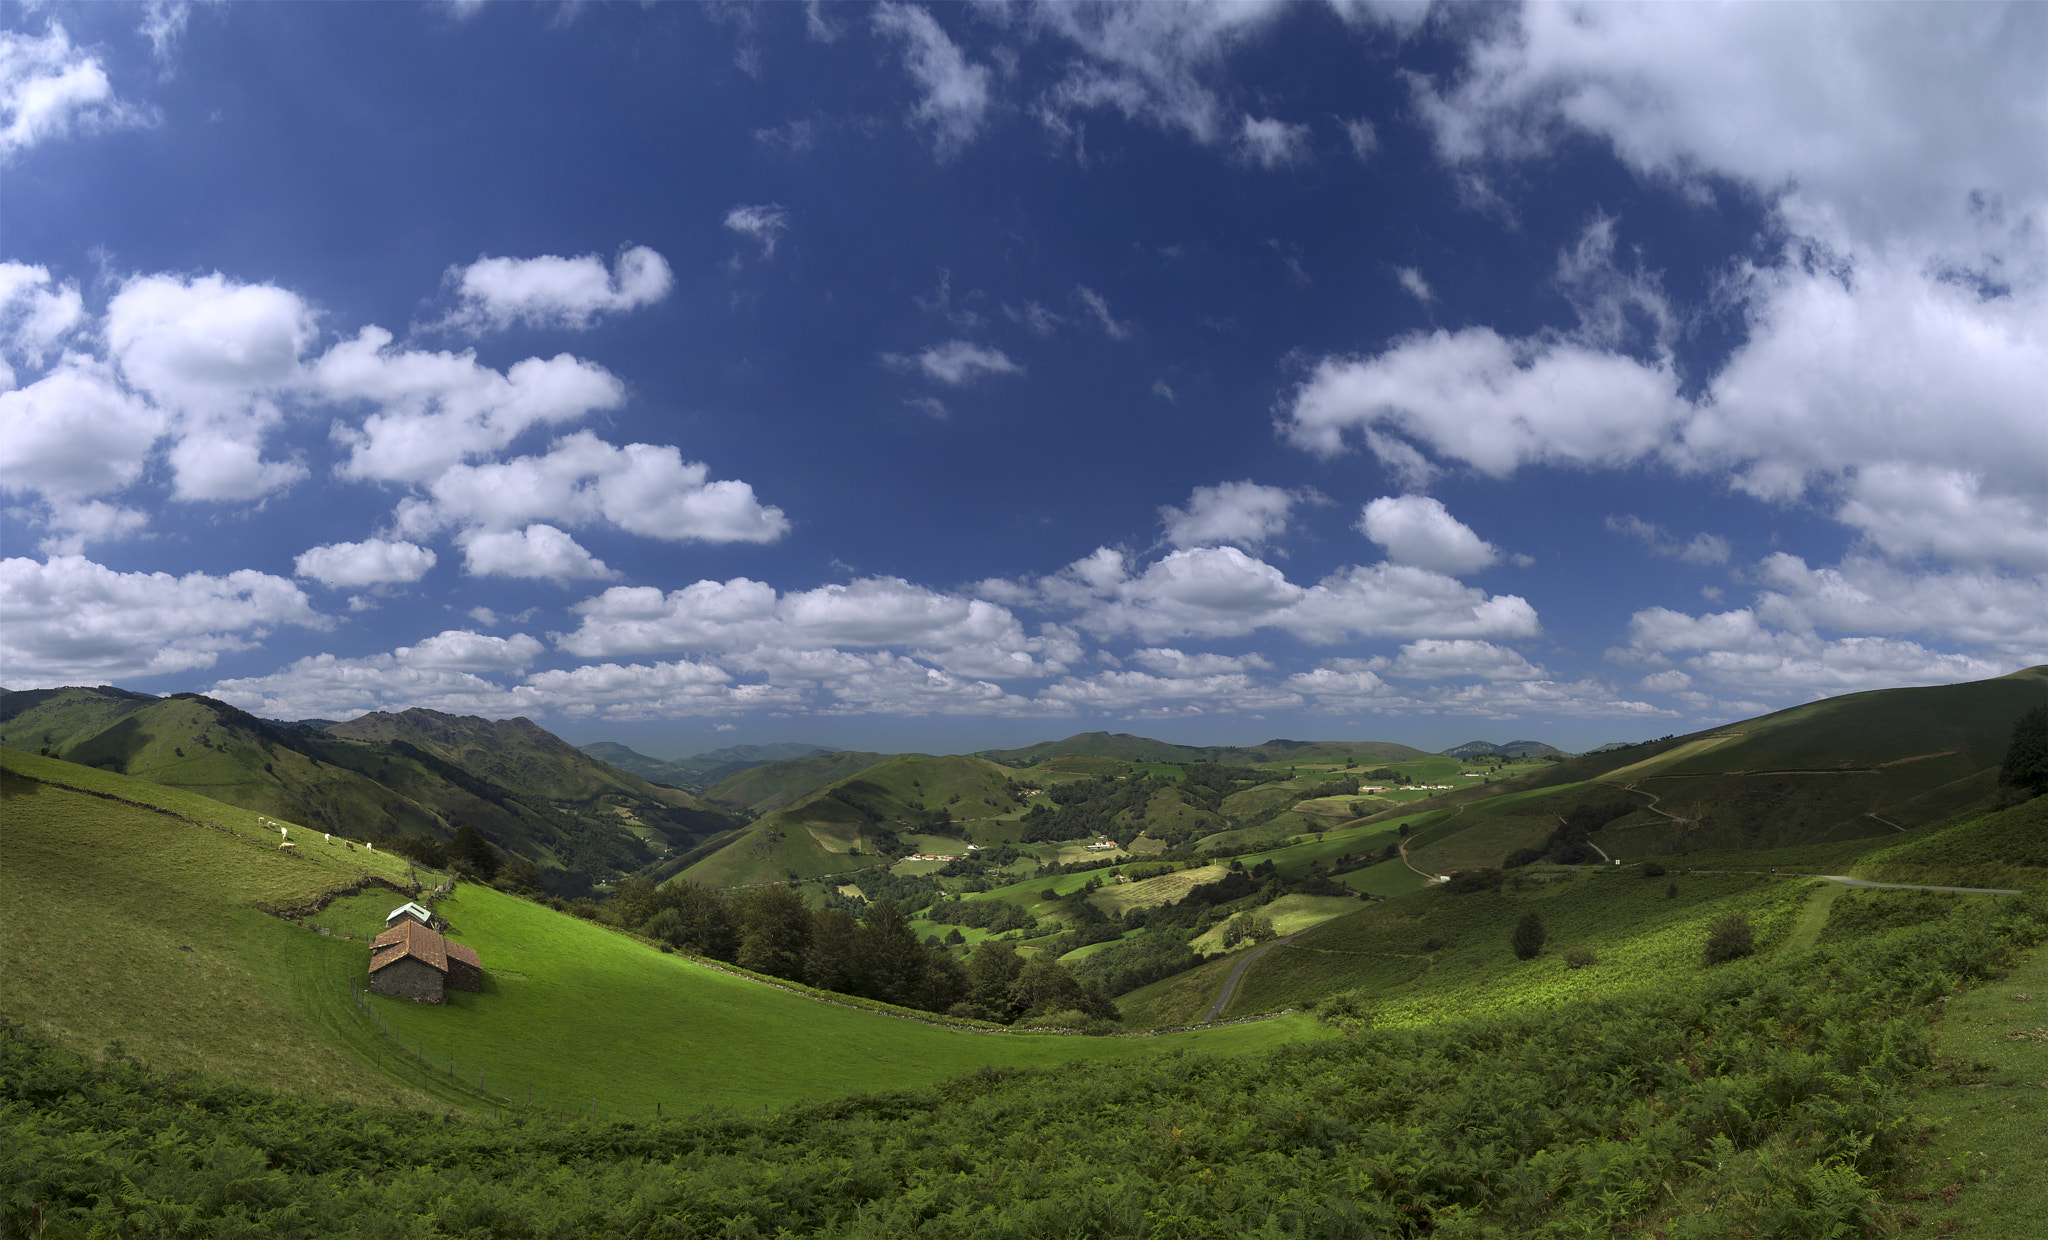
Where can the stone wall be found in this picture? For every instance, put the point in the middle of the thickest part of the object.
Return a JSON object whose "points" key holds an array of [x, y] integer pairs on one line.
{"points": [[464, 976], [408, 978]]}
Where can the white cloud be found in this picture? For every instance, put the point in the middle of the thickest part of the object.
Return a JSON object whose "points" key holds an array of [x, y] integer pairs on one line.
{"points": [[956, 363], [1272, 143], [551, 291], [1098, 307], [69, 620], [764, 222], [216, 354], [1243, 513], [36, 314], [372, 562], [434, 410], [1888, 112], [75, 524], [1148, 61], [1702, 549], [1364, 138], [163, 24], [967, 635], [538, 551], [956, 90], [1867, 595], [48, 88], [1222, 592], [1910, 509], [641, 488], [1420, 531], [1177, 665], [75, 432], [460, 650], [1146, 696], [1494, 403], [1418, 288], [1162, 390], [1431, 659], [1347, 686]]}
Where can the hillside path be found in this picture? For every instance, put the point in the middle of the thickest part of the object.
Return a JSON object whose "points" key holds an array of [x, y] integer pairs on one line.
{"points": [[1229, 991], [1846, 881]]}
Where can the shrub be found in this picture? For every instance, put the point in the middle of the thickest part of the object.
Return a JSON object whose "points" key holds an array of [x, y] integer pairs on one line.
{"points": [[1528, 937], [1730, 937], [1581, 958], [1654, 869]]}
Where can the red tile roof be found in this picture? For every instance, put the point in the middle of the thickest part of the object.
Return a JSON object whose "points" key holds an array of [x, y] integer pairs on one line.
{"points": [[466, 955], [410, 938]]}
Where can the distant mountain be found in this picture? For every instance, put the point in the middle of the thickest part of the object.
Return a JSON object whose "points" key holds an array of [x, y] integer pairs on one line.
{"points": [[700, 770], [1513, 749], [1142, 749]]}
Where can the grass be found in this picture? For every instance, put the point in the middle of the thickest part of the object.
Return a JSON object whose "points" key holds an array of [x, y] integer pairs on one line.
{"points": [[1638, 934], [135, 932], [1988, 1101], [1288, 914]]}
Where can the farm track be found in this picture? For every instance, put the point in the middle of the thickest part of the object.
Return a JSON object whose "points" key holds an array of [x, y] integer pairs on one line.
{"points": [[1229, 989]]}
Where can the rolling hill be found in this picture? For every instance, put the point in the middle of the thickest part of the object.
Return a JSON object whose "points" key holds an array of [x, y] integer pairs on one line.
{"points": [[772, 785], [576, 820], [698, 770], [1130, 748]]}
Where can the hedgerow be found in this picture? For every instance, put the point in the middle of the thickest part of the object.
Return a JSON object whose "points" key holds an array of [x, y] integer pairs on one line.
{"points": [[1764, 1097]]}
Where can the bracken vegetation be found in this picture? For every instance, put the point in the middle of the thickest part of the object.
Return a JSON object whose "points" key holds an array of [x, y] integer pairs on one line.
{"points": [[1763, 1099]]}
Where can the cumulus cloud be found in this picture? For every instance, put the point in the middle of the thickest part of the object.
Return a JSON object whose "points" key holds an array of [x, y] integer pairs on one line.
{"points": [[555, 292], [538, 551], [956, 363], [956, 94], [1223, 592], [1177, 665], [36, 314], [460, 650], [641, 488], [48, 88], [216, 355], [764, 223], [1432, 659], [1243, 513], [69, 620], [372, 562], [75, 432], [433, 410], [1420, 531], [744, 617]]}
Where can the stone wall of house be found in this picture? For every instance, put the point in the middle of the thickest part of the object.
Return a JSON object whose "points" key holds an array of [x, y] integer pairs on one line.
{"points": [[464, 976], [408, 978]]}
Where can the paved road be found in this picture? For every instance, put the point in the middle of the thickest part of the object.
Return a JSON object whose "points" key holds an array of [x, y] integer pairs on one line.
{"points": [[1845, 880], [1230, 983]]}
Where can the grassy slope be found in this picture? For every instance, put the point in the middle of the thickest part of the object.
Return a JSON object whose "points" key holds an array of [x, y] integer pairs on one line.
{"points": [[98, 899], [2008, 848], [770, 787]]}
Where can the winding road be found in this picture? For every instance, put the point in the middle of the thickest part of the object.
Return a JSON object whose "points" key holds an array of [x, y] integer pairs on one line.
{"points": [[1229, 990]]}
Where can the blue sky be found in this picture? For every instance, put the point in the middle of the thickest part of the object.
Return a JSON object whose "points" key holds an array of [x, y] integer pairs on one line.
{"points": [[944, 377]]}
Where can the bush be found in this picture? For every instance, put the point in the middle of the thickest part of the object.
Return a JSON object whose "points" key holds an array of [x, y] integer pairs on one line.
{"points": [[1581, 958], [1730, 937], [1654, 869], [1528, 937]]}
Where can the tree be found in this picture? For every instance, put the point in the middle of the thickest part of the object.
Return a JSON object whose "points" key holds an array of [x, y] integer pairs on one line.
{"points": [[991, 970], [2026, 758], [775, 932], [889, 959], [829, 965], [472, 854], [1528, 937]]}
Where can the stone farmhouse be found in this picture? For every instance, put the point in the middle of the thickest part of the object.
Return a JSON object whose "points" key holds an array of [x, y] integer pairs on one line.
{"points": [[411, 961]]}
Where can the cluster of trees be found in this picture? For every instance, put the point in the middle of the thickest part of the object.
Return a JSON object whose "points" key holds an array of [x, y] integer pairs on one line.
{"points": [[1568, 844], [875, 956]]}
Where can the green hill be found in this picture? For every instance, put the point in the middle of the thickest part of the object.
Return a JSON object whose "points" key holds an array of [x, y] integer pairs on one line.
{"points": [[1130, 748], [862, 820], [772, 785], [578, 821], [126, 920]]}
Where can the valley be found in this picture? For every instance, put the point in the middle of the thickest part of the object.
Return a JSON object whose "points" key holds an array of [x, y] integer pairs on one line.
{"points": [[968, 932]]}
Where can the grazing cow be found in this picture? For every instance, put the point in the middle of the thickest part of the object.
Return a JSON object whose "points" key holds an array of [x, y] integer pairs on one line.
{"points": [[288, 846]]}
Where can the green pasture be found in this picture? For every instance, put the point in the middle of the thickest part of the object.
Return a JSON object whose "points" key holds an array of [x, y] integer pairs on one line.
{"points": [[1289, 914], [1638, 933]]}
